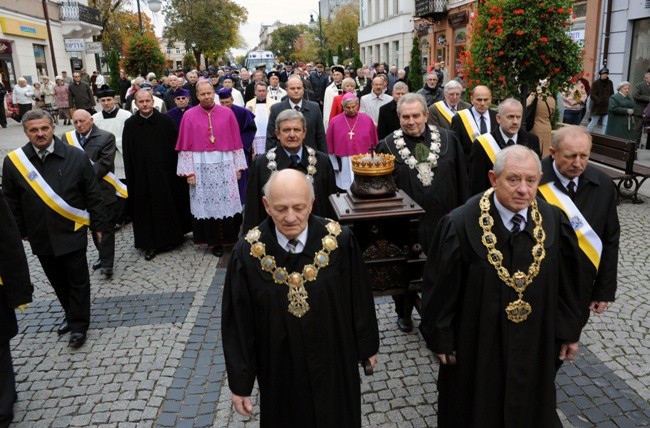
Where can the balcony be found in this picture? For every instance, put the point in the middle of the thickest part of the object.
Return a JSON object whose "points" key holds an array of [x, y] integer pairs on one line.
{"points": [[79, 21], [434, 10]]}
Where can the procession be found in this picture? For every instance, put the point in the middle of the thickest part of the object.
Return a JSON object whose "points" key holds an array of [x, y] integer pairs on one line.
{"points": [[284, 238]]}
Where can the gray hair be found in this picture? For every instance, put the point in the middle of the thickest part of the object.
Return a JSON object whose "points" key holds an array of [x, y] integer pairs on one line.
{"points": [[290, 114], [453, 84], [508, 102], [260, 83], [623, 83], [400, 85], [518, 152], [412, 98], [142, 91], [567, 132], [36, 114]]}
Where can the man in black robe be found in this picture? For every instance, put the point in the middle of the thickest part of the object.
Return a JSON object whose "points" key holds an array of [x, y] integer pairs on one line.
{"points": [[291, 130], [159, 198], [446, 190], [497, 346], [304, 343]]}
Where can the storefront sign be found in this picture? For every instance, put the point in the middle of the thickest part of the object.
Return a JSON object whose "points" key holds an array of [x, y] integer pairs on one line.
{"points": [[94, 47], [457, 20], [74, 45], [23, 28], [5, 47]]}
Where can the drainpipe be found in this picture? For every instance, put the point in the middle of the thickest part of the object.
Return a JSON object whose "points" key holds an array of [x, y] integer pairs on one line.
{"points": [[608, 24], [49, 36]]}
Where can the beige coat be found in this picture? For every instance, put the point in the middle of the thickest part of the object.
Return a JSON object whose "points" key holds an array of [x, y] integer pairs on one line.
{"points": [[543, 117]]}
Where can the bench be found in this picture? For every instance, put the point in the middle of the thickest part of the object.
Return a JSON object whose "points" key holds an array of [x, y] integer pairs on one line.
{"points": [[616, 158]]}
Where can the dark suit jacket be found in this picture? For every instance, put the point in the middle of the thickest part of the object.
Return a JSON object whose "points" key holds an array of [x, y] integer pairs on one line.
{"points": [[315, 137], [480, 162], [437, 119], [388, 121], [70, 174], [596, 199], [465, 139]]}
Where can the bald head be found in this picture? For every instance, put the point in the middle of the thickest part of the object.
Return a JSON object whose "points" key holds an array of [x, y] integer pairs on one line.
{"points": [[481, 98], [82, 121], [288, 200]]}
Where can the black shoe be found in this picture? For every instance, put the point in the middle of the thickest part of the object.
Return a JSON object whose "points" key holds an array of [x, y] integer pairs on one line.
{"points": [[217, 250], [150, 254], [405, 325], [77, 339], [63, 328], [107, 272], [97, 264]]}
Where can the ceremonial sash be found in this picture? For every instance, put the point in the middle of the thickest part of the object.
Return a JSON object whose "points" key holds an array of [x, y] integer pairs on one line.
{"points": [[45, 192], [588, 240], [110, 178], [490, 146], [470, 124], [444, 110]]}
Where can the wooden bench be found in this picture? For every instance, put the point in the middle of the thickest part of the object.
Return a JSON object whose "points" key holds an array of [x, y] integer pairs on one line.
{"points": [[616, 157]]}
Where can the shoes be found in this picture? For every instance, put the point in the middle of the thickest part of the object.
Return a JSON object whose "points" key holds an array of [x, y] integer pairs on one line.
{"points": [[107, 272], [405, 325], [97, 264], [77, 339], [217, 250], [4, 126], [150, 254], [63, 328]]}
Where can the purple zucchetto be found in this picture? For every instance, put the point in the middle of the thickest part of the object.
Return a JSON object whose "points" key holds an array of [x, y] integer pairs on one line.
{"points": [[224, 93]]}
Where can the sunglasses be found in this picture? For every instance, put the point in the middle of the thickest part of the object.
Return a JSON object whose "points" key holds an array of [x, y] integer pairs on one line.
{"points": [[181, 98]]}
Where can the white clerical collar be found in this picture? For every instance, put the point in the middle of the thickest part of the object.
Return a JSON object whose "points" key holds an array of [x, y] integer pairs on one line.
{"points": [[507, 215], [506, 138], [564, 180], [283, 240]]}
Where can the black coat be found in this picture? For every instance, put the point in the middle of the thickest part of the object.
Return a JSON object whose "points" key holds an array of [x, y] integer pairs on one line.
{"points": [[315, 137], [480, 163], [319, 83], [69, 173], [387, 121], [464, 138], [596, 199]]}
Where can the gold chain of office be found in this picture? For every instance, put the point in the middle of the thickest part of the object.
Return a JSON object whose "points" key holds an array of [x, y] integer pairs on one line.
{"points": [[297, 295], [519, 310]]}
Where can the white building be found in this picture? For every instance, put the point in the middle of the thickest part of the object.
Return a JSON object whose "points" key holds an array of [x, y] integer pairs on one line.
{"points": [[386, 31], [327, 8]]}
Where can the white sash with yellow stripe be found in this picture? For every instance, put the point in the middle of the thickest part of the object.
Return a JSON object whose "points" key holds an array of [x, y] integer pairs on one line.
{"points": [[110, 178], [45, 192], [470, 124], [490, 146], [445, 111], [588, 240]]}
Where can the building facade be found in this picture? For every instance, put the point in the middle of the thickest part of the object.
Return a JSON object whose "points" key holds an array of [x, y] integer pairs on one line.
{"points": [[386, 31], [327, 8]]}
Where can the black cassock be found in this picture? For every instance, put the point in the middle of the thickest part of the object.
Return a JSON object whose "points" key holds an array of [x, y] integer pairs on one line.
{"points": [[505, 371], [307, 368], [448, 189], [159, 198], [324, 185]]}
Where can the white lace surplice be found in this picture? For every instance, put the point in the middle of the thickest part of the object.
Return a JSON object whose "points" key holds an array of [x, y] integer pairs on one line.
{"points": [[216, 194]]}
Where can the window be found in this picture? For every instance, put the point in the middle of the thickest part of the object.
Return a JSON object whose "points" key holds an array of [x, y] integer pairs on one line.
{"points": [[41, 61], [640, 56], [395, 7]]}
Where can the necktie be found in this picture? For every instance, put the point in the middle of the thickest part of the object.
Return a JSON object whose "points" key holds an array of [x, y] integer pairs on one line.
{"points": [[292, 245], [516, 223], [297, 108], [82, 140], [510, 142], [483, 125], [571, 187], [295, 160], [42, 153], [453, 111]]}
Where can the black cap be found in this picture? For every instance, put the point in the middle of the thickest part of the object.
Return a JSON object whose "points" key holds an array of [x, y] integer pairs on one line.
{"points": [[338, 68], [105, 93], [273, 73], [603, 70]]}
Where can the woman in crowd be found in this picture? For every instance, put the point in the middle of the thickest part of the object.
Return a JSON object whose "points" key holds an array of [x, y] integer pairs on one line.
{"points": [[22, 96], [62, 101], [620, 122], [47, 90]]}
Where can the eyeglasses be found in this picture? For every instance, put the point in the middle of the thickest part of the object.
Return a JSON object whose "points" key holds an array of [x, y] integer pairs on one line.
{"points": [[181, 98]]}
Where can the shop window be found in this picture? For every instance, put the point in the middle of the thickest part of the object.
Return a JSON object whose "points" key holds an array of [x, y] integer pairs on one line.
{"points": [[640, 55], [41, 61]]}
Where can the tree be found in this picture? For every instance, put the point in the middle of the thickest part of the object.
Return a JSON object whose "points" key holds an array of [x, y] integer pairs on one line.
{"points": [[113, 60], [143, 55], [212, 25], [415, 67], [330, 57], [118, 24], [189, 61], [516, 43], [343, 29], [284, 38]]}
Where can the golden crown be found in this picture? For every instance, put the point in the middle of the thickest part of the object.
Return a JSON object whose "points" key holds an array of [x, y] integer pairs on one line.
{"points": [[374, 164]]}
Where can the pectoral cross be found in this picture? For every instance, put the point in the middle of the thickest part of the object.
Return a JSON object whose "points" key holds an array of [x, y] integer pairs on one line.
{"points": [[212, 139], [351, 134]]}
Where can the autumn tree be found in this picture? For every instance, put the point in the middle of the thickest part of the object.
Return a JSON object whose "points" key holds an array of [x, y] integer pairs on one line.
{"points": [[343, 28], [143, 55], [284, 38], [118, 23], [211, 25]]}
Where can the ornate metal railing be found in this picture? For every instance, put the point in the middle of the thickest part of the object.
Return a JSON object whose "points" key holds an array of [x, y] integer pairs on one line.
{"points": [[74, 11]]}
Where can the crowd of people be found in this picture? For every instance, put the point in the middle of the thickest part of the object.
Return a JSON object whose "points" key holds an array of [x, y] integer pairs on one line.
{"points": [[246, 159]]}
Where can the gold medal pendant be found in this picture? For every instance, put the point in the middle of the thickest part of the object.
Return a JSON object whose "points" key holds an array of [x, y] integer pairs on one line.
{"points": [[518, 310]]}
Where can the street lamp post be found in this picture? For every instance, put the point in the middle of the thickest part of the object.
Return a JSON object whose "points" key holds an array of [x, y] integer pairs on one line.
{"points": [[320, 34], [154, 6]]}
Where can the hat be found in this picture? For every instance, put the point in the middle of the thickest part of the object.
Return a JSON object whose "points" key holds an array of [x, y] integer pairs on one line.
{"points": [[273, 73], [146, 85], [348, 96], [227, 76], [338, 68], [224, 93], [105, 93], [182, 93], [58, 78], [603, 70]]}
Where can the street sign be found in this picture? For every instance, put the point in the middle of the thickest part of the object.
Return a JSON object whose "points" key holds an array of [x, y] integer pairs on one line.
{"points": [[74, 45], [94, 47]]}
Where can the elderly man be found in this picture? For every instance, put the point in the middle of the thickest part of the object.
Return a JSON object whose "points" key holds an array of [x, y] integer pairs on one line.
{"points": [[54, 195], [211, 158], [80, 94], [431, 170], [500, 298], [487, 146], [431, 89], [442, 112], [601, 91], [291, 131], [335, 88], [100, 147], [175, 86], [350, 133], [476, 120], [304, 331], [158, 103], [260, 106], [243, 81], [388, 120], [159, 198], [588, 198], [315, 132], [182, 101], [372, 102], [190, 85], [229, 82]]}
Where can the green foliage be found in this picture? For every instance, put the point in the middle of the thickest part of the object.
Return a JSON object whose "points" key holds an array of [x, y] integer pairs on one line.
{"points": [[284, 39], [330, 57], [356, 62], [342, 29], [143, 55], [189, 61], [113, 60], [415, 67], [339, 52], [118, 23], [516, 43]]}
